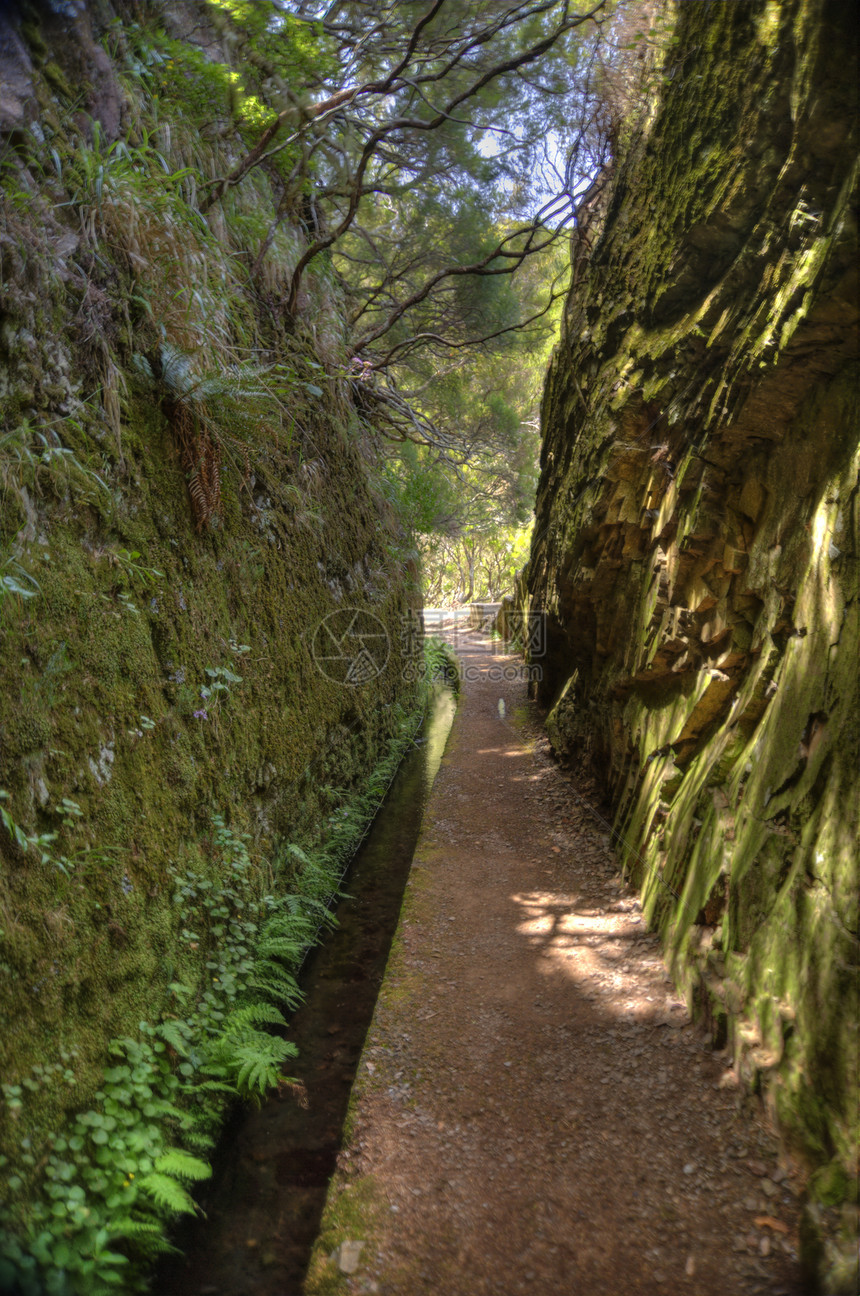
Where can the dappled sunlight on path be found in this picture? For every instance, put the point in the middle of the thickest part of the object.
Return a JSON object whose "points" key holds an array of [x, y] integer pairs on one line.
{"points": [[535, 1112]]}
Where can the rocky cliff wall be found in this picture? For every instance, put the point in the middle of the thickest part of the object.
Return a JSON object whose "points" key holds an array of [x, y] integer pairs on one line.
{"points": [[696, 551], [186, 496]]}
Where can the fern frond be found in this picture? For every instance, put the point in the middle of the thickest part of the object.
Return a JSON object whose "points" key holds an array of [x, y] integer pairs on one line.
{"points": [[279, 947], [272, 979], [172, 1033], [211, 1086], [200, 1138], [147, 1238], [175, 369], [292, 925], [132, 1228], [161, 1107], [297, 852], [235, 383], [259, 1069], [255, 1014], [142, 365], [166, 1193], [182, 1165]]}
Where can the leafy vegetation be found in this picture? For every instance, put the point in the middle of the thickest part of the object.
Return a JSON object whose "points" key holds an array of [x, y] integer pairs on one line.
{"points": [[111, 1187]]}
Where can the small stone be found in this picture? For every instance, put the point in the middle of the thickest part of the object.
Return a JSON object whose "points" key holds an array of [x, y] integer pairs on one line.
{"points": [[764, 1246], [690, 1266], [348, 1255], [689, 1168]]}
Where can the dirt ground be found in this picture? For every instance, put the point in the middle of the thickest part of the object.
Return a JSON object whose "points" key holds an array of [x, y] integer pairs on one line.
{"points": [[534, 1110]]}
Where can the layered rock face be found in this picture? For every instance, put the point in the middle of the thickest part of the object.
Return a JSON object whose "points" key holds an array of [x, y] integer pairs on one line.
{"points": [[696, 552], [186, 538]]}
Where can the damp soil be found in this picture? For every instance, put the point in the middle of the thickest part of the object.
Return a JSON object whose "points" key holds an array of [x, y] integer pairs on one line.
{"points": [[261, 1209]]}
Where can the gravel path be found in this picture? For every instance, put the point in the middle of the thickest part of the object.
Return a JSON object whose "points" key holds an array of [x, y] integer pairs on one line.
{"points": [[535, 1111]]}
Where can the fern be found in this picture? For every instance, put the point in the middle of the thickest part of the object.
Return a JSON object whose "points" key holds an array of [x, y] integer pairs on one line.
{"points": [[297, 852], [147, 1238], [198, 1137], [175, 369], [255, 1014], [251, 1058], [291, 926], [182, 1165], [280, 947], [175, 1034], [216, 414], [166, 1193], [272, 979], [259, 1064], [162, 1108], [209, 1086]]}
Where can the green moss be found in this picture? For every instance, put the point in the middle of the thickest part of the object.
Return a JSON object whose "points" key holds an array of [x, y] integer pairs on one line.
{"points": [[137, 612], [699, 455], [352, 1213]]}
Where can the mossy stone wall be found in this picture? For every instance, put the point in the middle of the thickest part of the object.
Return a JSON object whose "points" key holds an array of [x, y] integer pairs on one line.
{"points": [[155, 673], [696, 553]]}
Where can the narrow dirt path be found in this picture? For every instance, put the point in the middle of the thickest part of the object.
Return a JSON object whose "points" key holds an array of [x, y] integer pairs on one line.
{"points": [[534, 1110]]}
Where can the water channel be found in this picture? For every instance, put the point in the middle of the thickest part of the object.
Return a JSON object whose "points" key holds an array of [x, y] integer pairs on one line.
{"points": [[264, 1203]]}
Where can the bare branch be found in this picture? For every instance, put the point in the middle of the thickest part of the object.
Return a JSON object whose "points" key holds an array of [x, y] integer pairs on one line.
{"points": [[420, 339]]}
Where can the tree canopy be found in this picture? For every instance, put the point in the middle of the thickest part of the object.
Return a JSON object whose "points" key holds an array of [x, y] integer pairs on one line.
{"points": [[428, 164], [436, 156]]}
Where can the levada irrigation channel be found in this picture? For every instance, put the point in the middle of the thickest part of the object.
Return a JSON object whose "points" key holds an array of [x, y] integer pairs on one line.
{"points": [[265, 1199]]}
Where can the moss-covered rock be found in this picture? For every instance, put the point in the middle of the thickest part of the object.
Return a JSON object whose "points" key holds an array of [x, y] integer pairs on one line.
{"points": [[161, 665], [696, 546]]}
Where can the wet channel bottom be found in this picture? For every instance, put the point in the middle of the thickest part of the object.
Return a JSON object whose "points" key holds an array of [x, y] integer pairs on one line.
{"points": [[265, 1199]]}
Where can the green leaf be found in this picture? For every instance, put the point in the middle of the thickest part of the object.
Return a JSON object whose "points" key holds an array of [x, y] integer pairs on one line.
{"points": [[61, 1255]]}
